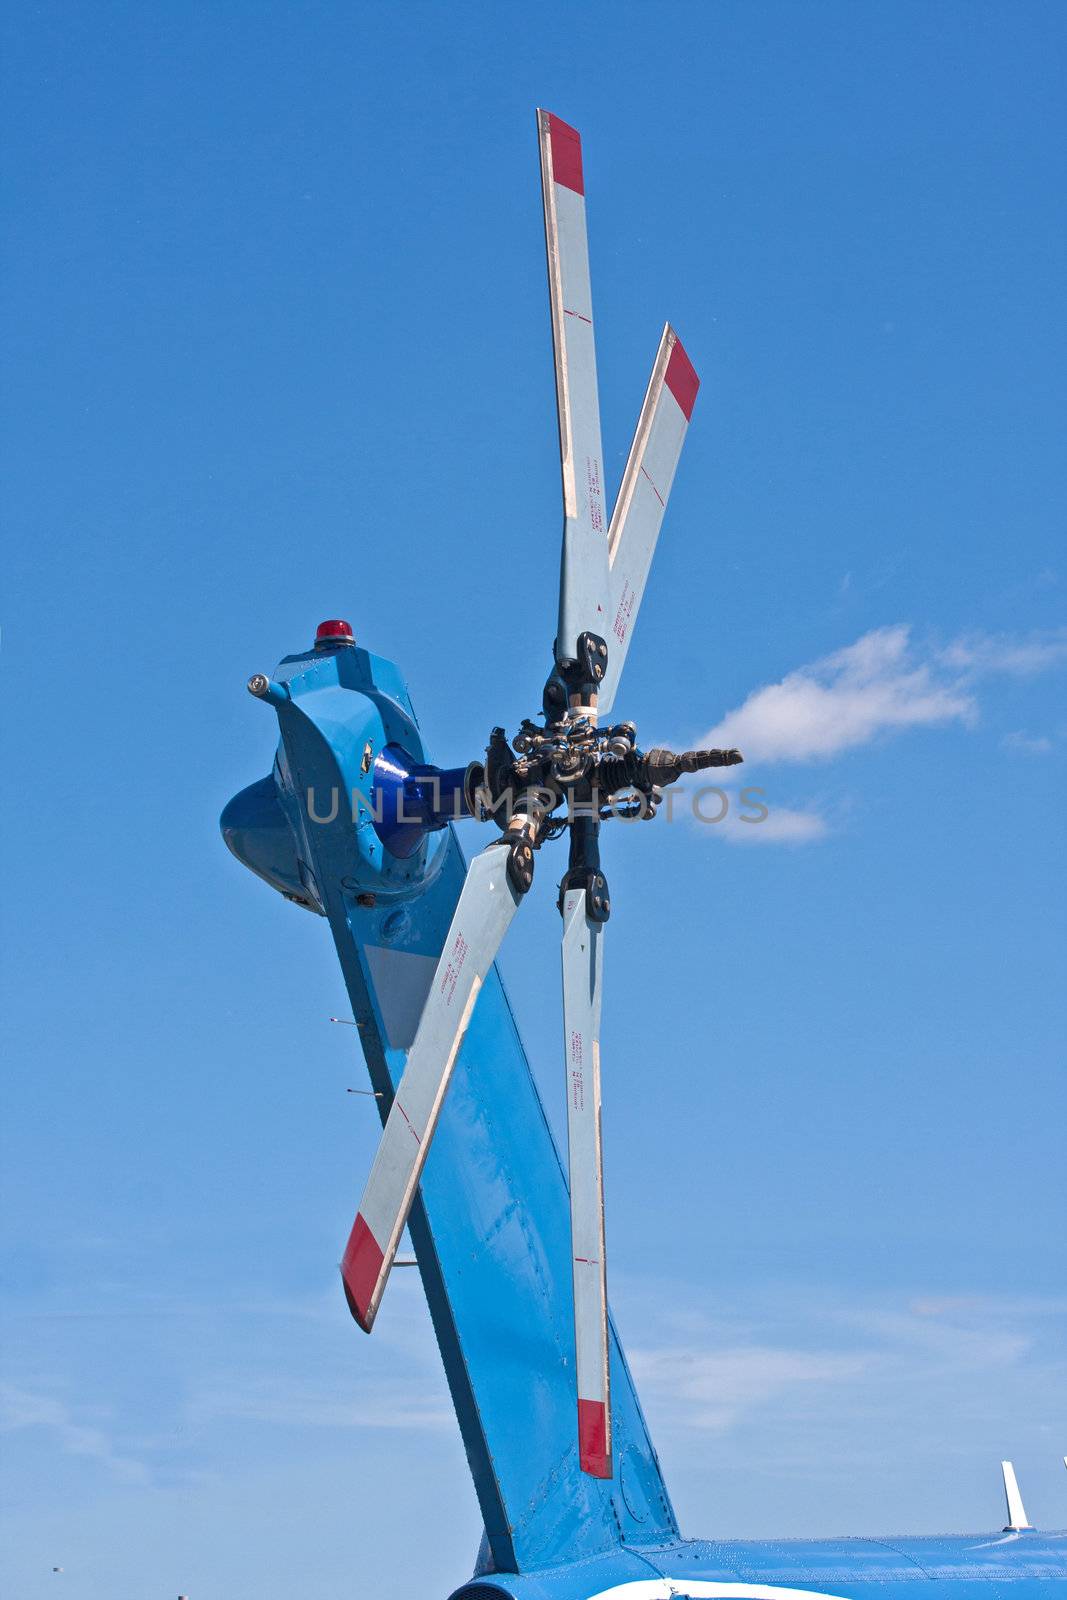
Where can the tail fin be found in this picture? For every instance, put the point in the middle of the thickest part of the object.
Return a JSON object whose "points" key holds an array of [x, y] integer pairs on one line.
{"points": [[491, 1224]]}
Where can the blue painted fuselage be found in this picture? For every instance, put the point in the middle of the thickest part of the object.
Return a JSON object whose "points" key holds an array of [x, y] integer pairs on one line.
{"points": [[991, 1566]]}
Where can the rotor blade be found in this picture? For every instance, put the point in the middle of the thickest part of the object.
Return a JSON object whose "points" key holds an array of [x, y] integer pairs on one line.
{"points": [[583, 590], [582, 968], [483, 915], [646, 484]]}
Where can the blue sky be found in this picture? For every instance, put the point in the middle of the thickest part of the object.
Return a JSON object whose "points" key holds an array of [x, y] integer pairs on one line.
{"points": [[277, 350]]}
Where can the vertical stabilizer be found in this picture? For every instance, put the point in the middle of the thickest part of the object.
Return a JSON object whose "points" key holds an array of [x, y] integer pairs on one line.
{"points": [[491, 1222], [1017, 1518]]}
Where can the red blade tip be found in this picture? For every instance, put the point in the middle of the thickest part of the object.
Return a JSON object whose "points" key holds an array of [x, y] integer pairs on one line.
{"points": [[681, 379], [360, 1268], [566, 145], [592, 1438]]}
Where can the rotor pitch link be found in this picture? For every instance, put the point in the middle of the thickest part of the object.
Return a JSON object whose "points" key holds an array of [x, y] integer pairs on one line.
{"points": [[638, 806], [522, 836], [597, 894], [574, 681], [520, 842], [583, 870]]}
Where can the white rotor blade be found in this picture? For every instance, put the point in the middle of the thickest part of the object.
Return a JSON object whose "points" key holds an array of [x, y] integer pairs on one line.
{"points": [[583, 591], [646, 484], [482, 917], [582, 968]]}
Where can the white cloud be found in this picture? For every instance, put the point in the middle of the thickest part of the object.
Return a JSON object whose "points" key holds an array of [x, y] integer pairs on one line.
{"points": [[1027, 744], [843, 700], [790, 1358], [25, 1408], [881, 684], [727, 810], [979, 653], [383, 1403], [714, 1389], [781, 825]]}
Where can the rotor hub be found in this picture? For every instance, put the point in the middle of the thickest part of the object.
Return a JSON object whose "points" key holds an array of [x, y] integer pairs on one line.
{"points": [[570, 768]]}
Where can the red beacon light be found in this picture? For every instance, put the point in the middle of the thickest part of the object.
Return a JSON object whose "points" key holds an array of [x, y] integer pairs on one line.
{"points": [[328, 635]]}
